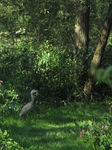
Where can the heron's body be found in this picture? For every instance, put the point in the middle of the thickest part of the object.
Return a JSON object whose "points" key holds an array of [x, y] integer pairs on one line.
{"points": [[28, 106], [25, 109]]}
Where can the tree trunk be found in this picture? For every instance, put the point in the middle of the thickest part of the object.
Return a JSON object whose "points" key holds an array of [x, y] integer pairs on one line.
{"points": [[81, 29], [99, 50], [81, 41]]}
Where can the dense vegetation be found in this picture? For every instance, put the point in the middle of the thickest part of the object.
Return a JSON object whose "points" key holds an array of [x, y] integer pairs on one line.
{"points": [[37, 51]]}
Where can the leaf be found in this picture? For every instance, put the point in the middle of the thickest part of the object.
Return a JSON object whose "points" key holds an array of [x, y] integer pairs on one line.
{"points": [[99, 74], [5, 133], [88, 133], [90, 122], [107, 73], [102, 147]]}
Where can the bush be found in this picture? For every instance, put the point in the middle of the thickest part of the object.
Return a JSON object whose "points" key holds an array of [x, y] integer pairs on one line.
{"points": [[95, 136], [25, 66], [7, 143], [8, 99]]}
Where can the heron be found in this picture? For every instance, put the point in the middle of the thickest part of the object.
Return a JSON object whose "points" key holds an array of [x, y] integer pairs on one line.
{"points": [[28, 106]]}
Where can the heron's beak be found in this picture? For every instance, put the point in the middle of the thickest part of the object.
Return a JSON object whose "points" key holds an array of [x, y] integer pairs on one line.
{"points": [[36, 93]]}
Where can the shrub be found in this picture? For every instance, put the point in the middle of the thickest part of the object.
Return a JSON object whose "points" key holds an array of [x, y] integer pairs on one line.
{"points": [[96, 136], [8, 143], [25, 66]]}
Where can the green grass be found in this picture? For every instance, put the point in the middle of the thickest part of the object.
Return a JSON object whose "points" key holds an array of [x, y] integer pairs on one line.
{"points": [[53, 129]]}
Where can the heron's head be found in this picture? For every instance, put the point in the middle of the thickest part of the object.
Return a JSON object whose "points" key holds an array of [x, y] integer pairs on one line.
{"points": [[34, 92]]}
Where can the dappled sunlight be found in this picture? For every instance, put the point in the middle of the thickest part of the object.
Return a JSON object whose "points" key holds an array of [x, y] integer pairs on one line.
{"points": [[54, 131], [53, 93]]}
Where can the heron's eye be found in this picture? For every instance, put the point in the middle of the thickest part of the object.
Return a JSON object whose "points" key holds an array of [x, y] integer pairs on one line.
{"points": [[35, 94]]}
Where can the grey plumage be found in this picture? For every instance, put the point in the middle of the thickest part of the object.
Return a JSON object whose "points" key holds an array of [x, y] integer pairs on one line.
{"points": [[28, 106]]}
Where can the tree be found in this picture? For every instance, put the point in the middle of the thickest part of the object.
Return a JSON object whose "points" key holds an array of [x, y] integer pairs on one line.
{"points": [[82, 27], [80, 51], [97, 57]]}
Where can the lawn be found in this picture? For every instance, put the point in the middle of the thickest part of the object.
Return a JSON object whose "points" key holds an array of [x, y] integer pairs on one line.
{"points": [[53, 128]]}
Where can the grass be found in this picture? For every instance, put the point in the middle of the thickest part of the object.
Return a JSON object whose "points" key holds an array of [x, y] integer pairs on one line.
{"points": [[53, 129]]}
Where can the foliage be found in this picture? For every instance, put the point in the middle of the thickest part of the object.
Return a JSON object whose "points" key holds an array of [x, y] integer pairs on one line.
{"points": [[95, 136], [8, 100], [8, 143], [104, 75], [37, 47], [106, 60], [98, 10], [95, 133], [51, 20], [44, 66]]}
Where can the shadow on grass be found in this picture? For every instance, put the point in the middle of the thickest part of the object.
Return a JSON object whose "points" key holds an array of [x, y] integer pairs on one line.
{"points": [[54, 128], [76, 112], [28, 136]]}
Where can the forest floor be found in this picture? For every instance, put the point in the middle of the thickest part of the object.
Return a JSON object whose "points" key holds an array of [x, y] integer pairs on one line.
{"points": [[54, 128]]}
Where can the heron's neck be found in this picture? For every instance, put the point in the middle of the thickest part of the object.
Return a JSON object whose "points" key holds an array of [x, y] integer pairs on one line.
{"points": [[32, 99]]}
